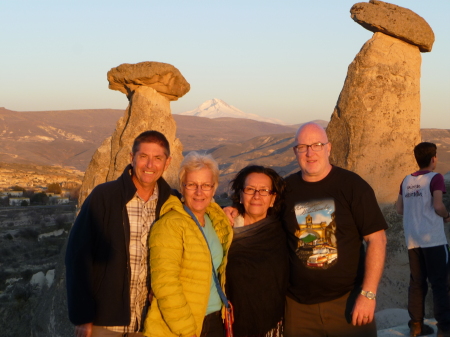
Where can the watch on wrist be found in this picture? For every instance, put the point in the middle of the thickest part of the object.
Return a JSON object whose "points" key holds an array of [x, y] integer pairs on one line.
{"points": [[370, 295]]}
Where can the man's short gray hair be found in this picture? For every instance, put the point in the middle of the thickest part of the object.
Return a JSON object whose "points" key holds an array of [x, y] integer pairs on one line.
{"points": [[195, 161]]}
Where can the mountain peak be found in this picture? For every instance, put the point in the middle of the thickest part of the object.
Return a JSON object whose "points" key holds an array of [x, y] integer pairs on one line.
{"points": [[216, 108], [214, 104]]}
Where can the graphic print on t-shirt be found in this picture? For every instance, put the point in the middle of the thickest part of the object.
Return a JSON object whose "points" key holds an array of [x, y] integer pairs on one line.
{"points": [[316, 233]]}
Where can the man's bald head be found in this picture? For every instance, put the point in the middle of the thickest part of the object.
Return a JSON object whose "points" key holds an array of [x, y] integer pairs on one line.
{"points": [[313, 156], [312, 126]]}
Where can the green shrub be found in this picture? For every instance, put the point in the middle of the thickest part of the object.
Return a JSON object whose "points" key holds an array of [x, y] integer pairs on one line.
{"points": [[4, 252], [22, 292], [29, 233], [54, 188], [26, 275], [39, 198], [4, 275], [60, 221]]}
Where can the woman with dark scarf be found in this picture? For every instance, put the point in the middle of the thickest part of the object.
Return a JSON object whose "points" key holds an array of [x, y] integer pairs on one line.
{"points": [[257, 270]]}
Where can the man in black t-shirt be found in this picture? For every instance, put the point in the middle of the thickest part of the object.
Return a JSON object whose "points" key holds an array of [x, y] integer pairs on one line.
{"points": [[329, 213]]}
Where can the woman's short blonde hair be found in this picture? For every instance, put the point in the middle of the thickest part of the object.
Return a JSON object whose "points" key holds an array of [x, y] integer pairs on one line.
{"points": [[195, 161]]}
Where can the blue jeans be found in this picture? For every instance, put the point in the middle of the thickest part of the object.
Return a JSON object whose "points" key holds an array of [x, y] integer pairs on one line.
{"points": [[430, 263]]}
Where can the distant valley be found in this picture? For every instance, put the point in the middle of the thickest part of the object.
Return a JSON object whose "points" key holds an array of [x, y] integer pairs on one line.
{"points": [[69, 139]]}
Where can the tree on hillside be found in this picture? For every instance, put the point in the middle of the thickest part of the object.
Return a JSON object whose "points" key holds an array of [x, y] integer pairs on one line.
{"points": [[54, 188], [74, 193], [28, 193], [39, 198], [4, 201], [17, 188]]}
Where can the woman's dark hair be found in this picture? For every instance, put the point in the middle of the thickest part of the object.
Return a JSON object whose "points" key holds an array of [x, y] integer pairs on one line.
{"points": [[278, 187]]}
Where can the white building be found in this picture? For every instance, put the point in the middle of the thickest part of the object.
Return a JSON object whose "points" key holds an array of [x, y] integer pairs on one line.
{"points": [[15, 193], [62, 200], [18, 201]]}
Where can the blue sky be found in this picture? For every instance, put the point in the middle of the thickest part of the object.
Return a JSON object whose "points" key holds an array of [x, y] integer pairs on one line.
{"points": [[285, 59]]}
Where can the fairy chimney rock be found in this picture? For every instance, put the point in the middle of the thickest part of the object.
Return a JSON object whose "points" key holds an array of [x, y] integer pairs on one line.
{"points": [[163, 77], [149, 86], [396, 21], [376, 122]]}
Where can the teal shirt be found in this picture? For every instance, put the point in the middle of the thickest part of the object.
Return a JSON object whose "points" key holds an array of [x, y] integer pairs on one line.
{"points": [[214, 302]]}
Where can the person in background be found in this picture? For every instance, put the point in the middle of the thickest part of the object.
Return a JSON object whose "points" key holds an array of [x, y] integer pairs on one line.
{"points": [[257, 270], [106, 259], [424, 214], [186, 300]]}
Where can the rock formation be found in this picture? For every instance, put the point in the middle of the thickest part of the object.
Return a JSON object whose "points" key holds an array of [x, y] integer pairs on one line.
{"points": [[149, 86], [376, 122], [396, 21]]}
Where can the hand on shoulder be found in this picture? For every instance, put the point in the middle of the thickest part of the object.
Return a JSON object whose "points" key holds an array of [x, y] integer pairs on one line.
{"points": [[231, 213]]}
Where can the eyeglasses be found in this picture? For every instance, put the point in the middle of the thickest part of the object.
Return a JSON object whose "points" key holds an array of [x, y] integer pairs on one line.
{"points": [[252, 191], [194, 186], [316, 147]]}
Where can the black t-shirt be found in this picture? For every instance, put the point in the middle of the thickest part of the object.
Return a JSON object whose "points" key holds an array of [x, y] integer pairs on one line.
{"points": [[325, 222]]}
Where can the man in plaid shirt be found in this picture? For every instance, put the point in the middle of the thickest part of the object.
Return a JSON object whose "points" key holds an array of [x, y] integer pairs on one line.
{"points": [[107, 266]]}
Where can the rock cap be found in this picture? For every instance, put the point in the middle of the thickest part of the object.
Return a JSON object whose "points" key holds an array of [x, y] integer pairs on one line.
{"points": [[163, 77], [396, 21]]}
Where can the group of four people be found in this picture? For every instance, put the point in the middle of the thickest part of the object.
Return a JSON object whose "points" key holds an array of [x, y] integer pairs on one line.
{"points": [[304, 256]]}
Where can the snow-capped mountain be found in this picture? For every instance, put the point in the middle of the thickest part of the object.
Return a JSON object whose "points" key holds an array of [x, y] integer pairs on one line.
{"points": [[215, 108]]}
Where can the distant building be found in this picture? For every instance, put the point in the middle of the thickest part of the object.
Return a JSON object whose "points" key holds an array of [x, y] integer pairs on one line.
{"points": [[15, 193], [65, 192], [62, 200], [18, 201], [56, 199]]}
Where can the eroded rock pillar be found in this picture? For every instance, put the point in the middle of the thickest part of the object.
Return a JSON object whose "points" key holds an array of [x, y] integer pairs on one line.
{"points": [[149, 86], [376, 122]]}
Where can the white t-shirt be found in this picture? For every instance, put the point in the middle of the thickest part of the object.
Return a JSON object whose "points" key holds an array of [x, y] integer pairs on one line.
{"points": [[423, 227]]}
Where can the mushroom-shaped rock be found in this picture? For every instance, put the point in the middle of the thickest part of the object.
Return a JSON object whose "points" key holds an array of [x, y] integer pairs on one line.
{"points": [[396, 21], [149, 86], [376, 122], [163, 77]]}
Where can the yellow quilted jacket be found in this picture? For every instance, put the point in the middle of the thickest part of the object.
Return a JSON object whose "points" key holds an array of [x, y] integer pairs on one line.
{"points": [[181, 270]]}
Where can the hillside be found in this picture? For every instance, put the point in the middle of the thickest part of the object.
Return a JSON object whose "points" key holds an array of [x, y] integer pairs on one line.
{"points": [[69, 139], [65, 138]]}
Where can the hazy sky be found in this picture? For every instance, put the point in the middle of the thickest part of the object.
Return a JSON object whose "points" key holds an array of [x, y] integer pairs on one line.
{"points": [[279, 59]]}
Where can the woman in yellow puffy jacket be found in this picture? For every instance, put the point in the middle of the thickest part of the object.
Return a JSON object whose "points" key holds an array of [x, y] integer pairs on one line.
{"points": [[185, 298]]}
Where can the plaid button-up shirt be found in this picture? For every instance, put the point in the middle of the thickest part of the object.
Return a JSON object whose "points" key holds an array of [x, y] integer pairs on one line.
{"points": [[141, 216]]}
